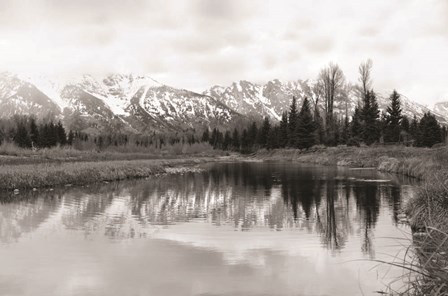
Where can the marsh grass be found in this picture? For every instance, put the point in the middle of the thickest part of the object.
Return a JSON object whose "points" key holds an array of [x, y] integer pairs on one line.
{"points": [[76, 173], [13, 155], [410, 161]]}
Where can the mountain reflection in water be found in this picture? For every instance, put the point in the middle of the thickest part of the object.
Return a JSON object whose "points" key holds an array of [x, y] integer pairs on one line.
{"points": [[250, 213]]}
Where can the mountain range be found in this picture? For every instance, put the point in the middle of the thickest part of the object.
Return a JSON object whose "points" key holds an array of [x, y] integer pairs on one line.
{"points": [[142, 104]]}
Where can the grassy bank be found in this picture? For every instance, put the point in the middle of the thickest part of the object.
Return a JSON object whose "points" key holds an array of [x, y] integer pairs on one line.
{"points": [[77, 173], [415, 162], [13, 155], [427, 210]]}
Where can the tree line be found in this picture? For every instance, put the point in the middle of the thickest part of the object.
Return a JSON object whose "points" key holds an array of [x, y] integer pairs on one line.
{"points": [[314, 125], [29, 133], [302, 130]]}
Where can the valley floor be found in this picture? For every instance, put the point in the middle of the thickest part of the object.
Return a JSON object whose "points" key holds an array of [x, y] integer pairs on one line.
{"points": [[427, 211]]}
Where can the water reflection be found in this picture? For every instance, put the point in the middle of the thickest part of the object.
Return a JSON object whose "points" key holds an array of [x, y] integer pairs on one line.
{"points": [[326, 201], [235, 209]]}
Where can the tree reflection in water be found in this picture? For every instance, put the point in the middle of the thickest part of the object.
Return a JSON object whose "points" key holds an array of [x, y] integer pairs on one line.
{"points": [[327, 201]]}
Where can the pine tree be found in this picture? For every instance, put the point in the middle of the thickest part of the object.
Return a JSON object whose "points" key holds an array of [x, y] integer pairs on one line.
{"points": [[393, 119], [62, 136], [355, 125], [283, 130], [369, 118], [205, 135], [245, 141], [264, 132], [429, 131], [405, 125], [292, 123], [345, 135], [227, 141], [413, 129], [22, 138], [305, 127], [252, 134], [235, 139], [320, 129], [71, 137], [273, 141], [34, 132], [52, 134]]}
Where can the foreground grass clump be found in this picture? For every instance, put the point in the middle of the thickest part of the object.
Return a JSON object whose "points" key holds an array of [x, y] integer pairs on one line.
{"points": [[429, 221], [52, 174]]}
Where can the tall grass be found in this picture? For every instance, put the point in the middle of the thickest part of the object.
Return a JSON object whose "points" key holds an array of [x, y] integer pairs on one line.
{"points": [[51, 174], [410, 161], [10, 154]]}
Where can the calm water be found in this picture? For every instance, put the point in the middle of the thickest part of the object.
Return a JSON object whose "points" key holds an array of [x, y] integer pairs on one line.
{"points": [[234, 229]]}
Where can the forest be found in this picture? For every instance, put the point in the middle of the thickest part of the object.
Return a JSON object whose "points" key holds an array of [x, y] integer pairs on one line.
{"points": [[301, 127]]}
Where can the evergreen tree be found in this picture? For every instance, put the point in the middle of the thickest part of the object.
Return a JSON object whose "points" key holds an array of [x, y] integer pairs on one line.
{"points": [[405, 125], [245, 141], [369, 119], [227, 141], [214, 138], [235, 139], [292, 123], [393, 119], [22, 138], [205, 135], [413, 129], [52, 134], [320, 129], [305, 127], [264, 132], [62, 136], [252, 134], [345, 135], [273, 141], [405, 130], [355, 125], [283, 130], [71, 137], [444, 134], [34, 132], [429, 131]]}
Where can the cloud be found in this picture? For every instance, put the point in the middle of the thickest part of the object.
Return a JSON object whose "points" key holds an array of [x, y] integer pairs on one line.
{"points": [[194, 44]]}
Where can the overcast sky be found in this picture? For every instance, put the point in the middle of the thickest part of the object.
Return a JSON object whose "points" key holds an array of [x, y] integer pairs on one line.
{"points": [[197, 44]]}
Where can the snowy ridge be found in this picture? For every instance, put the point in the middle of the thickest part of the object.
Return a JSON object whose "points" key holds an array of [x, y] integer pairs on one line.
{"points": [[274, 97], [48, 86], [142, 104]]}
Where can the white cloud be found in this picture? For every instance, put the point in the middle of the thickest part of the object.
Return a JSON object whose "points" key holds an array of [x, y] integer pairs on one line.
{"points": [[196, 44]]}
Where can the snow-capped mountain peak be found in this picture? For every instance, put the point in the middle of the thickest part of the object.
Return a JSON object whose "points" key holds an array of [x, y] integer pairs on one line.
{"points": [[144, 105]]}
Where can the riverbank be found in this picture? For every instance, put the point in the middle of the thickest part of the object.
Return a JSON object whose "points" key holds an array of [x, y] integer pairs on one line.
{"points": [[28, 176], [427, 210], [414, 162]]}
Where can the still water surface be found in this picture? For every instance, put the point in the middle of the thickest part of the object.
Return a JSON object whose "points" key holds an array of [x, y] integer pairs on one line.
{"points": [[233, 229]]}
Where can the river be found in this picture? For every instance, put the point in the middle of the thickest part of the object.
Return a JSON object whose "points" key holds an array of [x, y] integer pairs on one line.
{"points": [[238, 228]]}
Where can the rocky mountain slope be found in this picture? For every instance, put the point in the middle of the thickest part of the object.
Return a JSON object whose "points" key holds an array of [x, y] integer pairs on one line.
{"points": [[271, 99], [138, 102], [142, 104]]}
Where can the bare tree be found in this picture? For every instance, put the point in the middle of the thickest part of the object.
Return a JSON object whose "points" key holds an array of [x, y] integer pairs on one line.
{"points": [[331, 80], [365, 78], [317, 91]]}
